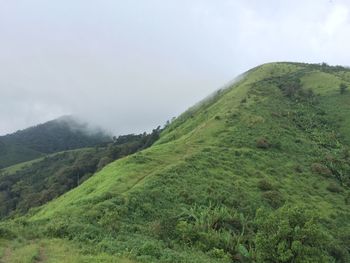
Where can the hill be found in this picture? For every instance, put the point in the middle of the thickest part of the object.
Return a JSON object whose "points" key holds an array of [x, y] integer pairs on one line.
{"points": [[259, 172], [65, 133], [30, 184]]}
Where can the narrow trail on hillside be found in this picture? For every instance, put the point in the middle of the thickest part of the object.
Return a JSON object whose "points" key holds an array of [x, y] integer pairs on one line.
{"points": [[42, 258], [7, 255]]}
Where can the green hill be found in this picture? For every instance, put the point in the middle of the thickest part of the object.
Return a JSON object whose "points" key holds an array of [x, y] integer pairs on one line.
{"points": [[258, 172], [30, 184], [65, 133]]}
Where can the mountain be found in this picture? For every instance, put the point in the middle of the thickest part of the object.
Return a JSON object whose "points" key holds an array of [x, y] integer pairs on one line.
{"points": [[65, 133], [258, 172]]}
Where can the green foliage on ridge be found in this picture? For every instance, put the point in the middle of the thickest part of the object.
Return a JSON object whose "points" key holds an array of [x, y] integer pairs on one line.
{"points": [[257, 173]]}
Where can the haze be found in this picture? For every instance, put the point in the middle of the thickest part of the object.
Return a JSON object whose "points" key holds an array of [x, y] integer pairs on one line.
{"points": [[131, 65]]}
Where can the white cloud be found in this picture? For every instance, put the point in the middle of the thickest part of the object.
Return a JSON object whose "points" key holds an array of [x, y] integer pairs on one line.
{"points": [[131, 65], [337, 19]]}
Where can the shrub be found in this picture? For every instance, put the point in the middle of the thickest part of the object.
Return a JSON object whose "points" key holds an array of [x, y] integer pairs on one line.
{"points": [[289, 234], [219, 253], [276, 114], [338, 250], [347, 198], [321, 169], [298, 169], [150, 248], [57, 229], [273, 198], [110, 220], [263, 143], [334, 188], [164, 228], [343, 88], [265, 185], [216, 229], [6, 233]]}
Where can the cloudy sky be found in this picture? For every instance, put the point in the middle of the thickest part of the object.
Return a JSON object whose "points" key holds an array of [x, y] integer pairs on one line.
{"points": [[131, 65]]}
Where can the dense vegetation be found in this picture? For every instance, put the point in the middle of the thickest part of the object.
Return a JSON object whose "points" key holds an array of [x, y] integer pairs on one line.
{"points": [[38, 182], [259, 172], [65, 133]]}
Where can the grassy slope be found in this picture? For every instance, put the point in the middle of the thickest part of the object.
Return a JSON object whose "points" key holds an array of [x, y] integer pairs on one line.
{"points": [[208, 157], [14, 168], [11, 154], [49, 251], [17, 167]]}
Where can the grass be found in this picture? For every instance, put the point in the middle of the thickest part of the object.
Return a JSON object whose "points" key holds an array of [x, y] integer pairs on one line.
{"points": [[52, 251], [14, 168], [155, 205]]}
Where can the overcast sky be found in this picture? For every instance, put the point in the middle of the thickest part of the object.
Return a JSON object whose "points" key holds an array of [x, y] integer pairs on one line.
{"points": [[131, 65]]}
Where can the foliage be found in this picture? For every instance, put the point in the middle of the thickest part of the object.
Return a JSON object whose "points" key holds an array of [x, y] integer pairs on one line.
{"points": [[193, 196], [265, 185], [263, 143], [290, 235], [343, 88]]}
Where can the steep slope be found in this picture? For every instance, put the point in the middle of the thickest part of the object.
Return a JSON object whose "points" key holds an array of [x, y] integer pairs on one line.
{"points": [[65, 133], [259, 172]]}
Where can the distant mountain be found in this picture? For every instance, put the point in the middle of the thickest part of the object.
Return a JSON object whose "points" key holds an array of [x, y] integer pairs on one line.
{"points": [[65, 133]]}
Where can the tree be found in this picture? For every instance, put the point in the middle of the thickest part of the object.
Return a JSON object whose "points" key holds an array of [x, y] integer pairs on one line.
{"points": [[343, 88]]}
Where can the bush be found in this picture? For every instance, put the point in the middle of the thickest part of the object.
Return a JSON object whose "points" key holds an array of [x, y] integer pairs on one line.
{"points": [[218, 230], [321, 169], [6, 233], [150, 248], [338, 250], [263, 143], [334, 188], [290, 234], [219, 254], [343, 88], [273, 198], [298, 168], [265, 185], [347, 198]]}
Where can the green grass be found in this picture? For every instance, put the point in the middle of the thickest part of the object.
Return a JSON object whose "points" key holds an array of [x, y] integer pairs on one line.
{"points": [[163, 204], [52, 251], [14, 168]]}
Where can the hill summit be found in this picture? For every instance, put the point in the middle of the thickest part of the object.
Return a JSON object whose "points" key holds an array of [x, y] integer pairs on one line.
{"points": [[259, 172]]}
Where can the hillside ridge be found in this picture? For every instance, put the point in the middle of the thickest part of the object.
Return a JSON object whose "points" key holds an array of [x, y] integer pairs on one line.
{"points": [[224, 178]]}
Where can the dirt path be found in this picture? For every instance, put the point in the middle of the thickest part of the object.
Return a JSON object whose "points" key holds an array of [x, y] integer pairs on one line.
{"points": [[42, 258], [7, 255]]}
